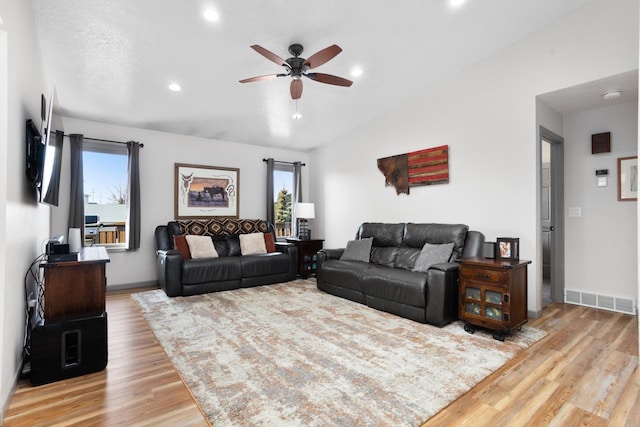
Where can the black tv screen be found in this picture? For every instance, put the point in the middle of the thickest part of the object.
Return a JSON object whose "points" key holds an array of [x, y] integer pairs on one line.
{"points": [[52, 162], [35, 155]]}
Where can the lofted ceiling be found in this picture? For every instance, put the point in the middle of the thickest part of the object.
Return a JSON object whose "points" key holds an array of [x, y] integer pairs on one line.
{"points": [[112, 61]]}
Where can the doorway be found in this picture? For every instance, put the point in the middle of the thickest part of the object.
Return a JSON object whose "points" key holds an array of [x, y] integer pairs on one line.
{"points": [[551, 216]]}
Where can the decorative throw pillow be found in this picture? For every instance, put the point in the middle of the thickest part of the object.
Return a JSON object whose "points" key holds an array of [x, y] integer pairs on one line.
{"points": [[269, 242], [432, 254], [358, 250], [253, 243], [180, 244], [201, 247]]}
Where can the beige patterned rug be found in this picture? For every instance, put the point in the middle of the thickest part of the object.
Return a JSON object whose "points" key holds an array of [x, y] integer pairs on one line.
{"points": [[289, 354]]}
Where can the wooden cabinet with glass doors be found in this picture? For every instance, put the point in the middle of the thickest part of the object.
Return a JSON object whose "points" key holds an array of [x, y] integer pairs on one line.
{"points": [[493, 295]]}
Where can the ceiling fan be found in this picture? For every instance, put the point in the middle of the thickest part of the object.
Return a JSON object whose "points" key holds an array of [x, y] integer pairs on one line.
{"points": [[296, 67]]}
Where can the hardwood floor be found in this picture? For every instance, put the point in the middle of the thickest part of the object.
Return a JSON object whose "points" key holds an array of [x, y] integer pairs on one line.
{"points": [[583, 373], [140, 387]]}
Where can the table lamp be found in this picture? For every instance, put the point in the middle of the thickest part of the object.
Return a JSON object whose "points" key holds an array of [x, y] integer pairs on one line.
{"points": [[304, 212]]}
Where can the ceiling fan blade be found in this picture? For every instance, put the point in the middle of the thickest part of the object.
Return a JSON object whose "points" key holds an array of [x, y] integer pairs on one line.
{"points": [[321, 57], [296, 89], [269, 55], [329, 79], [260, 78]]}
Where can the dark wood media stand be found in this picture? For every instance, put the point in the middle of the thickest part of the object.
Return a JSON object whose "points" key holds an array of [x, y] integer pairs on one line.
{"points": [[493, 294], [76, 288], [70, 337], [307, 254]]}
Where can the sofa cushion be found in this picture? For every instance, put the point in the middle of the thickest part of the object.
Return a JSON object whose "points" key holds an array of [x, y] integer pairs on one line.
{"points": [[269, 242], [264, 264], [395, 284], [357, 250], [196, 271], [384, 235], [251, 244], [407, 257], [180, 244], [419, 234], [201, 247], [432, 254], [345, 274], [384, 256], [233, 245]]}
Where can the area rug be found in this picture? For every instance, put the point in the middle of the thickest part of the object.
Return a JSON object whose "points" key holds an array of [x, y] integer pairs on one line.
{"points": [[289, 354]]}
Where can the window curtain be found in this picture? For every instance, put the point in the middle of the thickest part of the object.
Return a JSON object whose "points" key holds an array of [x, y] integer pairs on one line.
{"points": [[76, 204], [134, 222], [271, 216], [297, 193]]}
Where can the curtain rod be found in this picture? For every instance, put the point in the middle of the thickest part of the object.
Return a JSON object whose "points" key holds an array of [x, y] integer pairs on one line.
{"points": [[102, 140], [284, 163]]}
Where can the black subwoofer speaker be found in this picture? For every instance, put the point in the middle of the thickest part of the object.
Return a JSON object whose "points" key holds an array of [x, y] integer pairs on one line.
{"points": [[68, 349]]}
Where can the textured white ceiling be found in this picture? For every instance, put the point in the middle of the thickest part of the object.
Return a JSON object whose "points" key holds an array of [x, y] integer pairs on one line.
{"points": [[112, 61]]}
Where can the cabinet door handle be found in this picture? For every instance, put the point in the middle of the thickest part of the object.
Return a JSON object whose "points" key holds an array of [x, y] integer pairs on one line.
{"points": [[482, 276], [506, 297]]}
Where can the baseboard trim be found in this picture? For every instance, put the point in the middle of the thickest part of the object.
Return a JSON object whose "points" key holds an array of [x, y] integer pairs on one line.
{"points": [[135, 285]]}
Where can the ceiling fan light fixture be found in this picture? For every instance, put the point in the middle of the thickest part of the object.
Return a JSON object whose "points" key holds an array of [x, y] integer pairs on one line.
{"points": [[356, 72], [296, 116], [612, 94]]}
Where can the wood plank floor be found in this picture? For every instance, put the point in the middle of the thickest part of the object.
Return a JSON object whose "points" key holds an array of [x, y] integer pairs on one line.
{"points": [[584, 373]]}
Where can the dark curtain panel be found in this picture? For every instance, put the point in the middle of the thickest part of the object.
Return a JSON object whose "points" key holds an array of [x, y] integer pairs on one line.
{"points": [[271, 216], [76, 204], [297, 192], [134, 195]]}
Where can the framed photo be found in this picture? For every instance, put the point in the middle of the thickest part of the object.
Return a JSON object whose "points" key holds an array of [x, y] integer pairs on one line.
{"points": [[628, 178], [508, 248], [206, 191]]}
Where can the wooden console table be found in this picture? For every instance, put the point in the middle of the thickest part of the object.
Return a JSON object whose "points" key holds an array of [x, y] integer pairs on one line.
{"points": [[76, 288]]}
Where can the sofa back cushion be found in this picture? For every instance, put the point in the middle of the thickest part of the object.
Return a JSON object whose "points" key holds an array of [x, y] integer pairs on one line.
{"points": [[436, 234], [387, 238]]}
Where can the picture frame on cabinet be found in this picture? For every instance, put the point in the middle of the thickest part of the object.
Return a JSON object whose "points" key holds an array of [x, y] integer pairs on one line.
{"points": [[508, 248]]}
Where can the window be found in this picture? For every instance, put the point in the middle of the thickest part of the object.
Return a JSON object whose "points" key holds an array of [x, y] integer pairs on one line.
{"points": [[106, 197], [283, 199]]}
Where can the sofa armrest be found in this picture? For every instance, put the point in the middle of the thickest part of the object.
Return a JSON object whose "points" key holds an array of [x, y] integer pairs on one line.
{"points": [[442, 294], [327, 254], [446, 266], [291, 250], [169, 266]]}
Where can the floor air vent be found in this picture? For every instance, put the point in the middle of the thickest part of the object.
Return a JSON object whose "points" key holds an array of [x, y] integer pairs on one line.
{"points": [[605, 302]]}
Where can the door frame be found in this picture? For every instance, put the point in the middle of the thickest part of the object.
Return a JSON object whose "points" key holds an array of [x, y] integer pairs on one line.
{"points": [[557, 210]]}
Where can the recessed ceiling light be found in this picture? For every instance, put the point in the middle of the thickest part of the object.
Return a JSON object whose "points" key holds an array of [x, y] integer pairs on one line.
{"points": [[211, 15], [175, 87], [356, 72], [612, 94], [456, 3]]}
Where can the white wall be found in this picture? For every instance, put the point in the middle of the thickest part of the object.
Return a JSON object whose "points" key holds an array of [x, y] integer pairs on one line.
{"points": [[487, 116], [601, 250], [23, 223], [161, 151]]}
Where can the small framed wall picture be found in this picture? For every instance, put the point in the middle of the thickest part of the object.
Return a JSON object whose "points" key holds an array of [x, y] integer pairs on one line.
{"points": [[508, 248], [601, 143]]}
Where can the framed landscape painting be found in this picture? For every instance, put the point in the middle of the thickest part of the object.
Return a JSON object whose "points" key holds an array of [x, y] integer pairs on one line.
{"points": [[206, 191]]}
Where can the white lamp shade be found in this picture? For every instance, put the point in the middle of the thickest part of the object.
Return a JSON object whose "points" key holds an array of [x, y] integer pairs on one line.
{"points": [[304, 210]]}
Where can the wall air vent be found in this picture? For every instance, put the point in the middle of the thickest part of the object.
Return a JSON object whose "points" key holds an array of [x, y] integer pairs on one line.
{"points": [[605, 302]]}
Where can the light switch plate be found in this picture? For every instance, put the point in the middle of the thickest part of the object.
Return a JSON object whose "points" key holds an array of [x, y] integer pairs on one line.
{"points": [[575, 212]]}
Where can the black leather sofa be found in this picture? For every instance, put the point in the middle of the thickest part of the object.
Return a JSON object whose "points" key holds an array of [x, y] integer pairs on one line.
{"points": [[386, 282], [230, 270]]}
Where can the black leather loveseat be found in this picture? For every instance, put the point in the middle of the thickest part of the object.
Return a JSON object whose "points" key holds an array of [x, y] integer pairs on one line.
{"points": [[392, 275], [230, 269]]}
